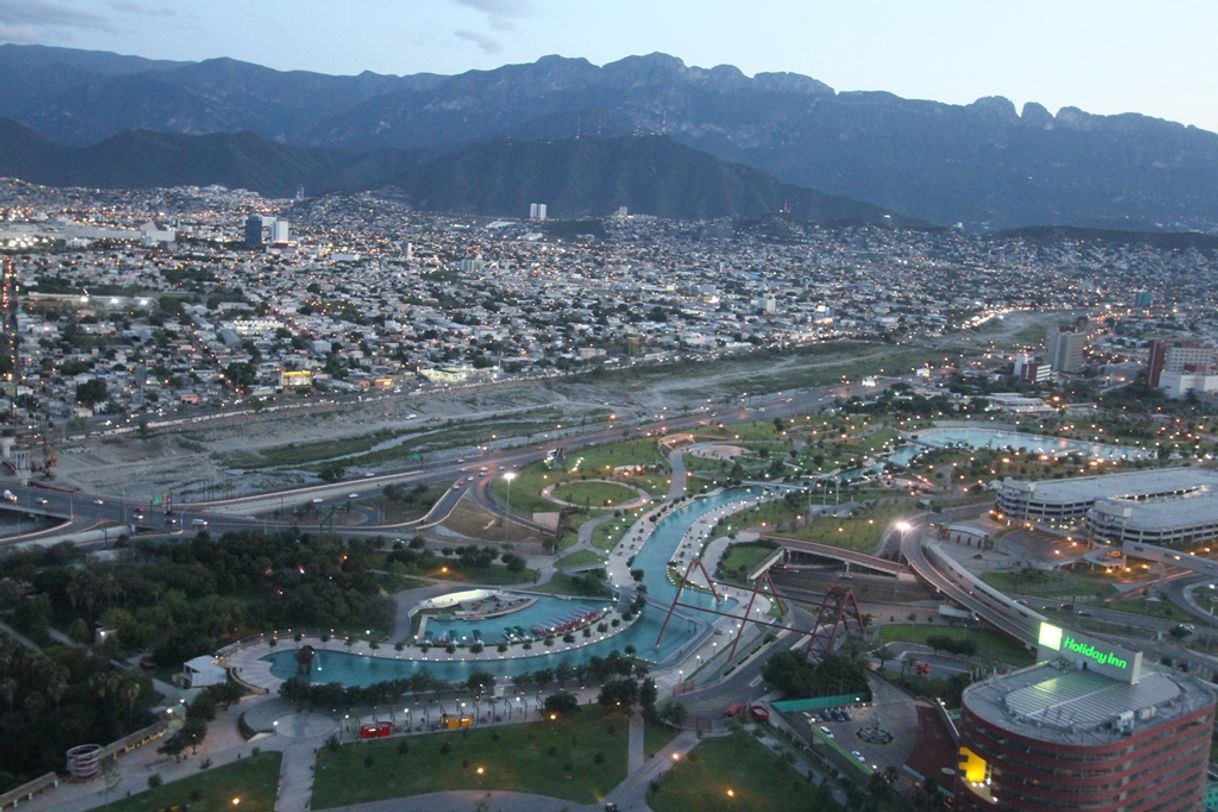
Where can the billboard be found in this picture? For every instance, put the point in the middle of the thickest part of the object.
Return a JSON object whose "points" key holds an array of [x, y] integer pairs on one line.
{"points": [[1089, 652]]}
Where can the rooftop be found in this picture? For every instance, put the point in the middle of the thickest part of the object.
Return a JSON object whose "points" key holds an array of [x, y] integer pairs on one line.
{"points": [[1056, 702], [1134, 485], [1195, 509]]}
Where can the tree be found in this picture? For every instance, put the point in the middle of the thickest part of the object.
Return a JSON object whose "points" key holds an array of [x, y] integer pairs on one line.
{"points": [[479, 681], [332, 472], [618, 692], [562, 703], [674, 713], [648, 693], [240, 374], [91, 392]]}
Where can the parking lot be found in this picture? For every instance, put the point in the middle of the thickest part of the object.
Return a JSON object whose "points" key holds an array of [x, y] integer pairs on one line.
{"points": [[890, 710]]}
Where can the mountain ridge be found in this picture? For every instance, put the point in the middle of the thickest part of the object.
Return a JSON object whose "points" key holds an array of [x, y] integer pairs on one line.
{"points": [[575, 177], [983, 164]]}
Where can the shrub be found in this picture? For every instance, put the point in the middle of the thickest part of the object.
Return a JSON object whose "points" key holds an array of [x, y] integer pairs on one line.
{"points": [[154, 781]]}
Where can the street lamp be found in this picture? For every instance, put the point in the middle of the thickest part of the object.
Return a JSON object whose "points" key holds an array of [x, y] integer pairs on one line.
{"points": [[508, 476]]}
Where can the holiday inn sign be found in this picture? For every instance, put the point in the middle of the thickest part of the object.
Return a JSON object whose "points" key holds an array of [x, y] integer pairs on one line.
{"points": [[1089, 652]]}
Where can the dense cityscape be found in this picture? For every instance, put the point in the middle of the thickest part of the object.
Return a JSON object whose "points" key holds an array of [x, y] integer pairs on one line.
{"points": [[175, 308]]}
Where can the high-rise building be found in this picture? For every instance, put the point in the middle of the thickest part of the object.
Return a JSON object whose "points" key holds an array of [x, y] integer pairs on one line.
{"points": [[1064, 348], [253, 231], [1181, 367], [1026, 369], [1143, 299], [537, 212], [279, 231], [1155, 360], [1087, 729]]}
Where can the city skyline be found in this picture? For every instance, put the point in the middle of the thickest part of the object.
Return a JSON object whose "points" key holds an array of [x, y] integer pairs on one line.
{"points": [[1105, 60]]}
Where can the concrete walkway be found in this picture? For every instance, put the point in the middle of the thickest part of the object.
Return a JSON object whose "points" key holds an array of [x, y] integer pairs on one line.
{"points": [[636, 754], [631, 794]]}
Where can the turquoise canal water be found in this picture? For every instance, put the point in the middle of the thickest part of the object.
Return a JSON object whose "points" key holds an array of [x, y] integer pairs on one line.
{"points": [[360, 669], [997, 438], [548, 611]]}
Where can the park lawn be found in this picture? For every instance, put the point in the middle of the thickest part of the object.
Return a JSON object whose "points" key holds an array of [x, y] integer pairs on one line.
{"points": [[555, 758], [254, 780], [606, 536], [525, 490], [533, 478], [656, 737], [861, 532], [742, 557], [758, 779], [581, 587], [604, 458], [494, 575], [1047, 583], [580, 558], [593, 494], [991, 644]]}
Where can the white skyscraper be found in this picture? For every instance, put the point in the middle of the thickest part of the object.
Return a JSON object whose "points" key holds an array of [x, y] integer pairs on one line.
{"points": [[537, 211], [279, 230]]}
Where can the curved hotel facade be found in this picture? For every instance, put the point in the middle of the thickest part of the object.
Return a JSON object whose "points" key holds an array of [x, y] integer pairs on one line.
{"points": [[1087, 728]]}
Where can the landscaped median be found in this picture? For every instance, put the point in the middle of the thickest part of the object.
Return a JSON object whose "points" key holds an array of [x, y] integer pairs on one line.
{"points": [[577, 758], [990, 644]]}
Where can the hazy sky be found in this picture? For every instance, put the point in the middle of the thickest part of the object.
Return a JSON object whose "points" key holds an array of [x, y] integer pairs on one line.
{"points": [[1105, 57]]}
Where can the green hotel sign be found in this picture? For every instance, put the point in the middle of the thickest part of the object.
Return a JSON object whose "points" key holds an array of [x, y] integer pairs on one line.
{"points": [[1089, 653]]}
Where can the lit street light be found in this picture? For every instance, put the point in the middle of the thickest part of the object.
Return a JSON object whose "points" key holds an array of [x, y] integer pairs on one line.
{"points": [[508, 476]]}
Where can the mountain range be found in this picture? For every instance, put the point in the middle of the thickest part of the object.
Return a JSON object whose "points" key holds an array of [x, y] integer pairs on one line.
{"points": [[576, 177], [983, 164]]}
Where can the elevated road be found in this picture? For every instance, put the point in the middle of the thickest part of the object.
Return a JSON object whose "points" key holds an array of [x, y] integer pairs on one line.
{"points": [[854, 557], [985, 603]]}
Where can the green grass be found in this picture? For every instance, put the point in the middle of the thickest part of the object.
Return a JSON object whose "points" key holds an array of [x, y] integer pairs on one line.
{"points": [[740, 558], [580, 558], [558, 759], [990, 644], [598, 461], [861, 532], [1153, 608], [593, 494], [566, 585], [1053, 583], [656, 738], [495, 574], [255, 780], [759, 780], [607, 535]]}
